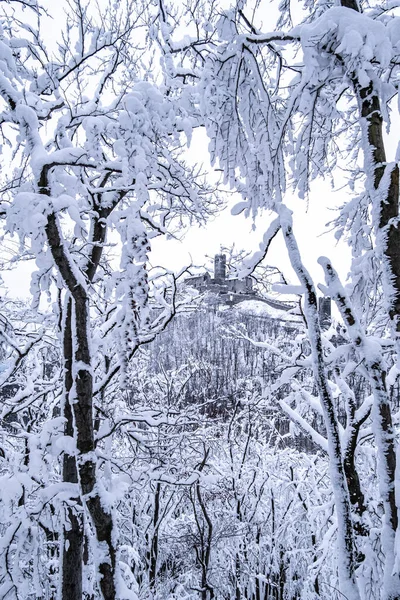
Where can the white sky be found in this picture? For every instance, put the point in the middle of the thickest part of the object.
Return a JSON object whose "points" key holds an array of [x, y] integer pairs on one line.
{"points": [[309, 224]]}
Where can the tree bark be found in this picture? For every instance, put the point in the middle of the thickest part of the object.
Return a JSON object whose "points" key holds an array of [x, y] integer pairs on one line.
{"points": [[83, 407], [72, 550], [154, 539]]}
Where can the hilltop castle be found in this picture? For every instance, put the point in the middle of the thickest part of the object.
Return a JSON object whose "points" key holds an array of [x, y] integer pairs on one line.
{"points": [[231, 290]]}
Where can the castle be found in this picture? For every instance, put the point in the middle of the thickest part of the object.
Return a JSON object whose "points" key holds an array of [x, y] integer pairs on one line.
{"points": [[230, 290]]}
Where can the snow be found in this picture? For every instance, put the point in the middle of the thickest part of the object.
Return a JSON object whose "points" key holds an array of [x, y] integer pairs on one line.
{"points": [[355, 37], [263, 309]]}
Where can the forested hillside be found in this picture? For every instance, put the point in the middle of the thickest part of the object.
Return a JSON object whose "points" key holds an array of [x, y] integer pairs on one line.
{"points": [[227, 514], [238, 502]]}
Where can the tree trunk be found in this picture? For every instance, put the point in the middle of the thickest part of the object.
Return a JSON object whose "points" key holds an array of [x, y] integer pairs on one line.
{"points": [[383, 430], [385, 212], [83, 412], [72, 550], [82, 405], [154, 539], [388, 235], [347, 563]]}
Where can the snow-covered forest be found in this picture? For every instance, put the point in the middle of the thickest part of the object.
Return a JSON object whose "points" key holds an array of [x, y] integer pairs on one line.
{"points": [[161, 442]]}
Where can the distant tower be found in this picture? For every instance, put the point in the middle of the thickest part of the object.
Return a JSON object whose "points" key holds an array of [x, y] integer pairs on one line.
{"points": [[220, 266], [324, 309]]}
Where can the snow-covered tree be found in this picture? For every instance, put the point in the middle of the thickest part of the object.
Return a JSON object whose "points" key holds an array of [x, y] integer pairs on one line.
{"points": [[221, 507], [303, 99], [92, 169]]}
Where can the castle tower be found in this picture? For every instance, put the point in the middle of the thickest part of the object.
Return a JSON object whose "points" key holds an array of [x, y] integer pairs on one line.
{"points": [[220, 266], [324, 309]]}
